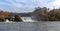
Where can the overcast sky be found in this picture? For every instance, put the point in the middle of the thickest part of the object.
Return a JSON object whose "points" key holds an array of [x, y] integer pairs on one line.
{"points": [[27, 5]]}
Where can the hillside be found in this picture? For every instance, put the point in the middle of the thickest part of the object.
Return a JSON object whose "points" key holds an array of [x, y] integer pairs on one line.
{"points": [[9, 16]]}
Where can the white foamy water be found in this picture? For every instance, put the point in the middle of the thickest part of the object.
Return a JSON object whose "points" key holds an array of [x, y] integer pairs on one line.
{"points": [[7, 20], [27, 19]]}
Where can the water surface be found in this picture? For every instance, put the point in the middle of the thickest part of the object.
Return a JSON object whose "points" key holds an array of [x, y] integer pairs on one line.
{"points": [[30, 26]]}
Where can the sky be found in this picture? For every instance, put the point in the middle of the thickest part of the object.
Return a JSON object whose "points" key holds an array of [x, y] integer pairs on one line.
{"points": [[27, 5]]}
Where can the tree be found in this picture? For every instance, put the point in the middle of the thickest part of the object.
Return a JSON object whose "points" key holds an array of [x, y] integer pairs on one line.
{"points": [[39, 13], [54, 15], [1, 20], [17, 18], [45, 10]]}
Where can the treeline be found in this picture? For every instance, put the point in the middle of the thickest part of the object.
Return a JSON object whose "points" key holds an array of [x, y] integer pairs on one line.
{"points": [[39, 14], [45, 14], [10, 16]]}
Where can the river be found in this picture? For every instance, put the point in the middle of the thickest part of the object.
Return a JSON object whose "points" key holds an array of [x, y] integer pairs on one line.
{"points": [[30, 26], [27, 19]]}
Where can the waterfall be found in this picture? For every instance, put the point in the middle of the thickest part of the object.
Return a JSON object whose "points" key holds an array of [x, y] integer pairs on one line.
{"points": [[27, 19], [7, 20]]}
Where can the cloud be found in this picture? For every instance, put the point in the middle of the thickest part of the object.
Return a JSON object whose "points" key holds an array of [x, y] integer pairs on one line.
{"points": [[20, 5], [50, 3], [27, 5], [55, 3]]}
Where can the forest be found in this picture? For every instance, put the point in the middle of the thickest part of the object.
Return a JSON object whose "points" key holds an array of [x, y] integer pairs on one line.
{"points": [[46, 14], [39, 14]]}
